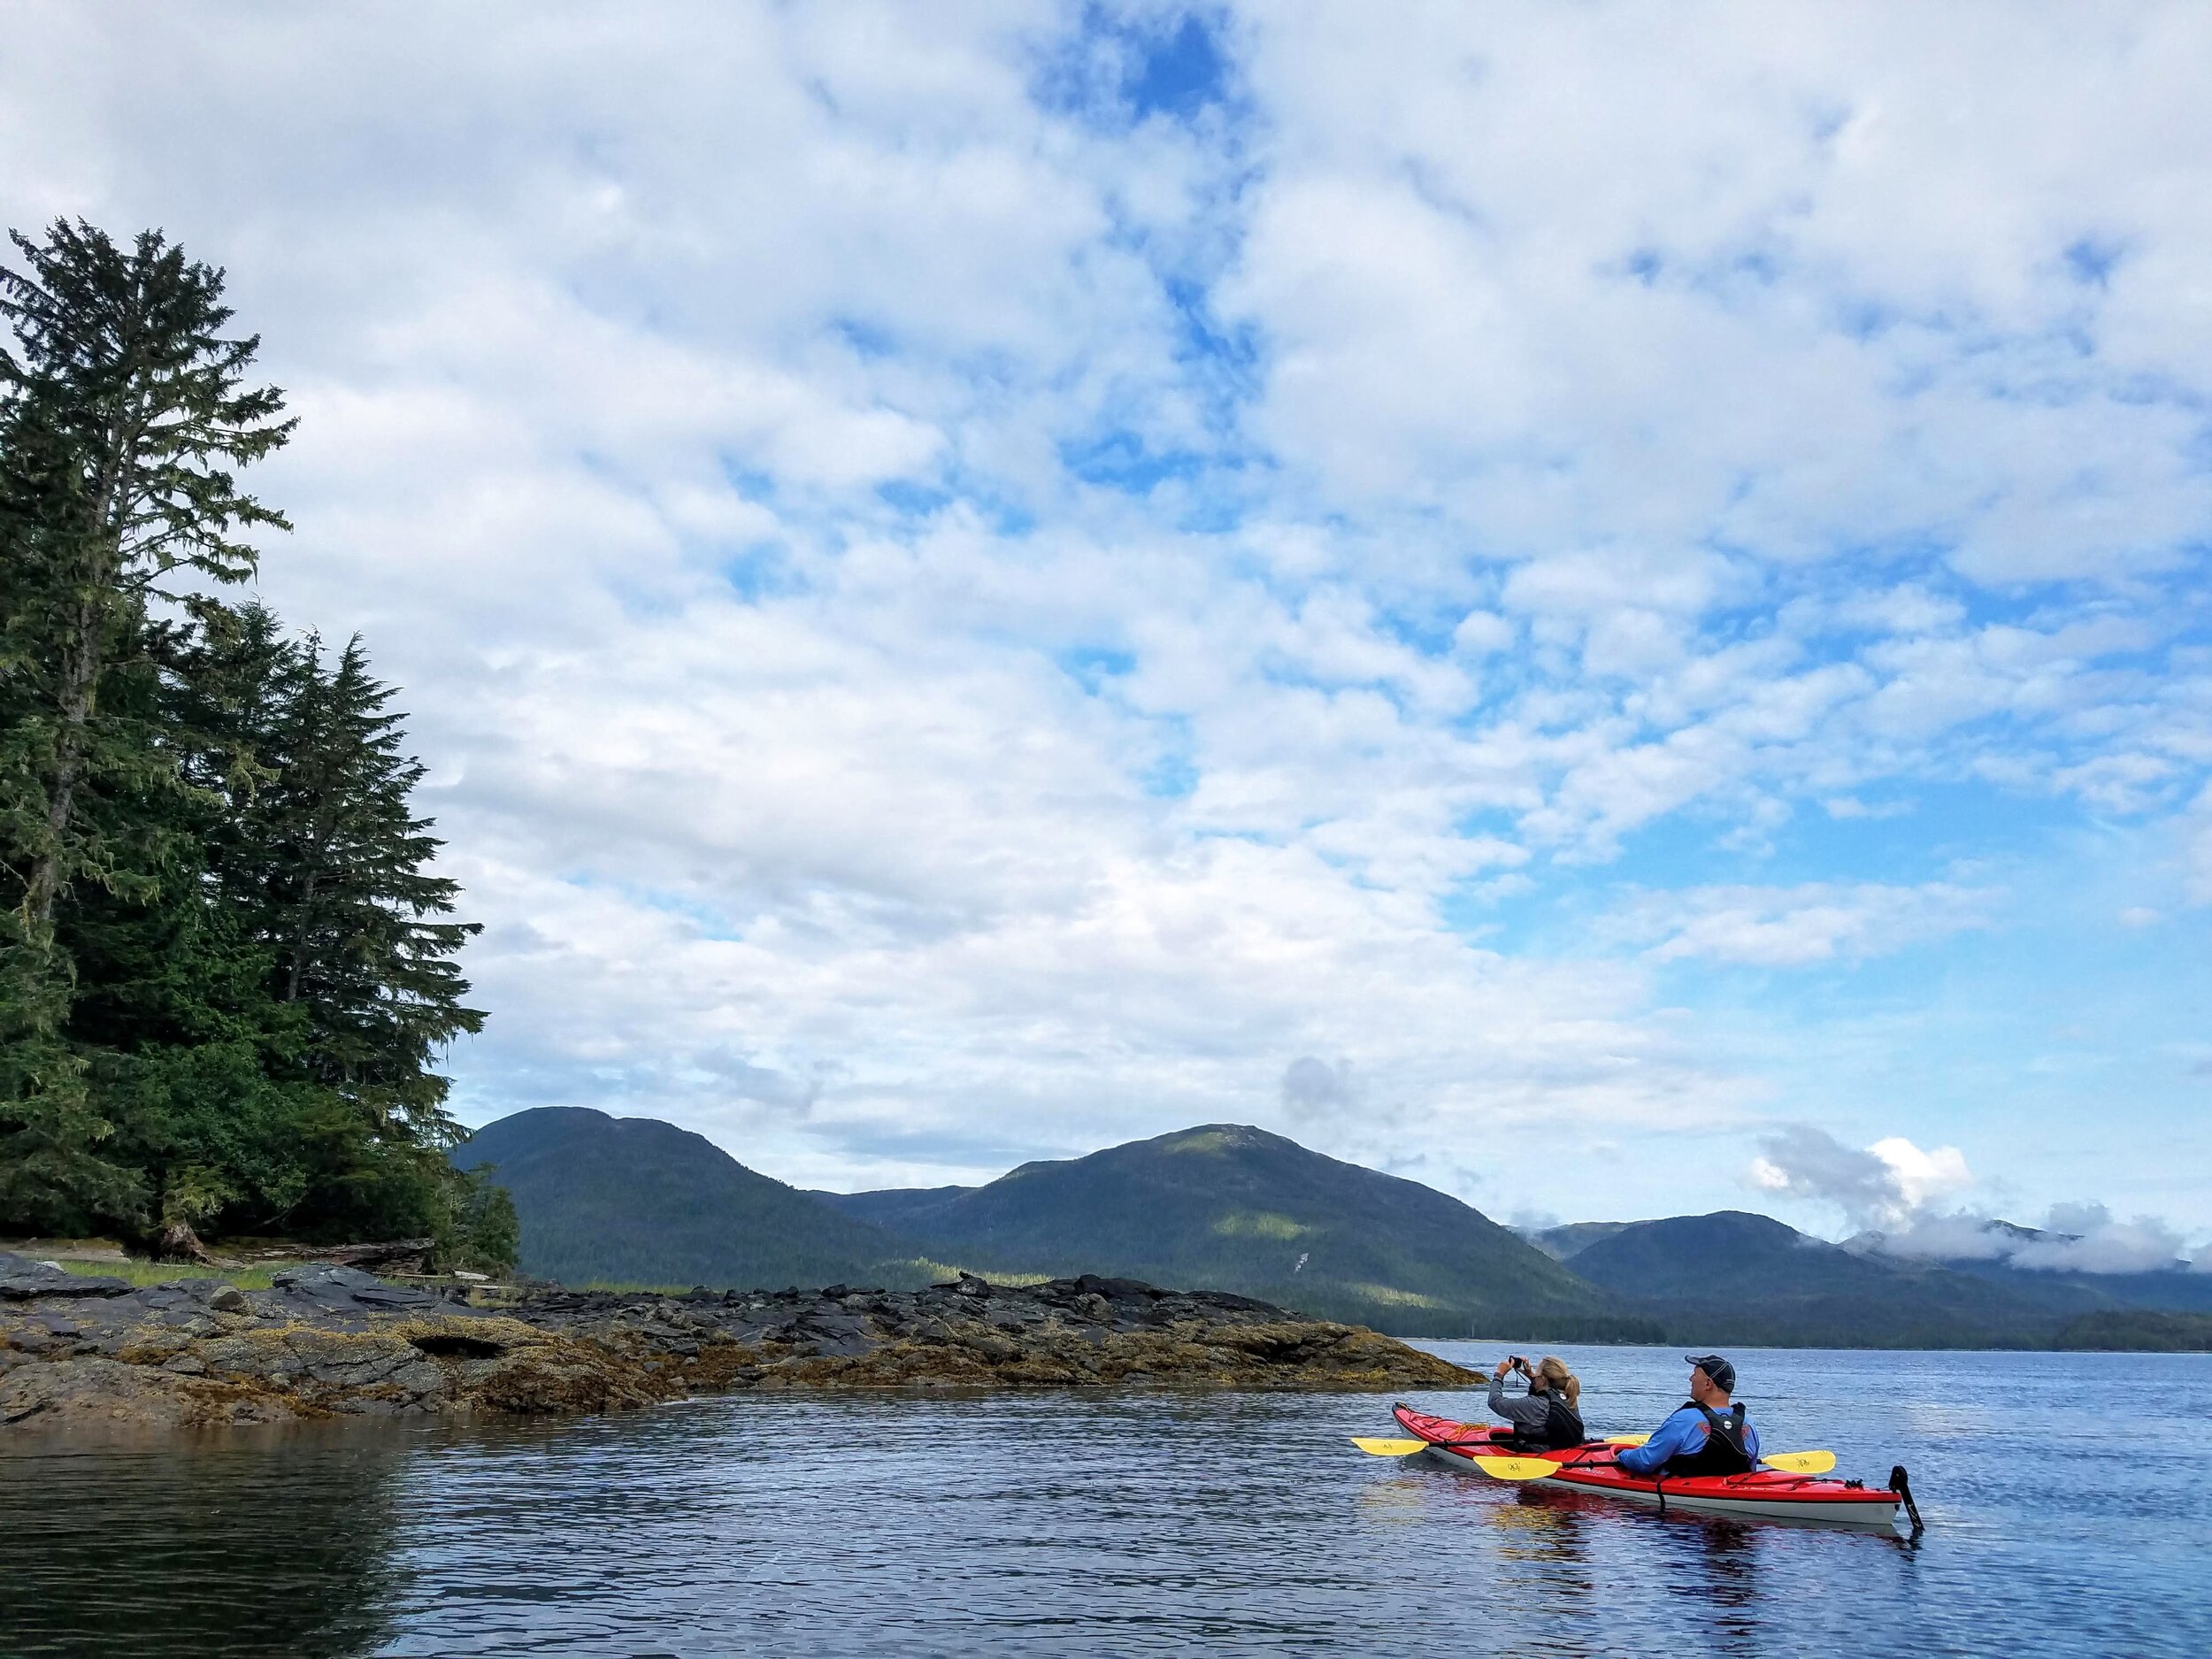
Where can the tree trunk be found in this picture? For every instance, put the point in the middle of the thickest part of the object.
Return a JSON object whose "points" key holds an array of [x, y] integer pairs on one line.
{"points": [[179, 1243], [82, 666], [81, 676]]}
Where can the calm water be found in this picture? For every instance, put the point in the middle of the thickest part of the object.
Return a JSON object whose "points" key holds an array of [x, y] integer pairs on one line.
{"points": [[1128, 1524]]}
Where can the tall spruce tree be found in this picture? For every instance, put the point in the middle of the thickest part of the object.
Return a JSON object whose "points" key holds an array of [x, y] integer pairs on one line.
{"points": [[121, 409], [360, 930], [127, 407], [225, 974]]}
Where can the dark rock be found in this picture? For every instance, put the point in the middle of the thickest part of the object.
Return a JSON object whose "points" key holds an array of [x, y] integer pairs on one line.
{"points": [[1116, 1289], [350, 1289], [398, 1296], [332, 1339], [22, 1280]]}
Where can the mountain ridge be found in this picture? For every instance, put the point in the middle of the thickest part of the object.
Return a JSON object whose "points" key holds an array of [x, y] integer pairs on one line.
{"points": [[601, 1198], [1238, 1207], [1234, 1207]]}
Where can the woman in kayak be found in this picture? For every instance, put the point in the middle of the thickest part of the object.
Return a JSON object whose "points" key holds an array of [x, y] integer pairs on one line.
{"points": [[1547, 1416], [1707, 1436]]}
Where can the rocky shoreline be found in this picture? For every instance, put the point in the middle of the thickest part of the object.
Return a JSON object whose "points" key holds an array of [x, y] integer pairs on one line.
{"points": [[334, 1341]]}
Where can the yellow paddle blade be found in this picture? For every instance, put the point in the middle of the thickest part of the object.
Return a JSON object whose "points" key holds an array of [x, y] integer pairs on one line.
{"points": [[1516, 1468], [1801, 1463], [1627, 1439], [1387, 1449]]}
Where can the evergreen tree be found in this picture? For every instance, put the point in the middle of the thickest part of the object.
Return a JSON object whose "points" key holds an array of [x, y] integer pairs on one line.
{"points": [[120, 412], [267, 1035], [124, 406], [188, 1049], [225, 974], [358, 926]]}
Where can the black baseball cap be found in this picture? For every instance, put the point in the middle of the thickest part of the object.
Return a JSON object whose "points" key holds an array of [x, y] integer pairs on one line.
{"points": [[1720, 1371]]}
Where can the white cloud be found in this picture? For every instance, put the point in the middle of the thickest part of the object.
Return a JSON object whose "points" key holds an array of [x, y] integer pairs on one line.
{"points": [[2197, 847], [1923, 1177], [1789, 927], [947, 627], [2075, 1238], [1891, 1186]]}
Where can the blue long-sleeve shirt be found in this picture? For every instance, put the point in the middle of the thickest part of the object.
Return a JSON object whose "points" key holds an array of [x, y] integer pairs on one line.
{"points": [[1683, 1433]]}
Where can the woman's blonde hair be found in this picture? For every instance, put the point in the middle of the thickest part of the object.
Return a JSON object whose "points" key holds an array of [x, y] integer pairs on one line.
{"points": [[1558, 1378]]}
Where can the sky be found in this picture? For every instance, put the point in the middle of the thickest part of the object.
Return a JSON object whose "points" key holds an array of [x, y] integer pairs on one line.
{"points": [[1602, 606]]}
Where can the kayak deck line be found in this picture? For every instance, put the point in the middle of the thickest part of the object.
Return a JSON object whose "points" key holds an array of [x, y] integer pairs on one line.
{"points": [[1759, 1493]]}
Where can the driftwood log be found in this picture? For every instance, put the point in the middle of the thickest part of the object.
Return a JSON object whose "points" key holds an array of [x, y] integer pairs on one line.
{"points": [[397, 1256]]}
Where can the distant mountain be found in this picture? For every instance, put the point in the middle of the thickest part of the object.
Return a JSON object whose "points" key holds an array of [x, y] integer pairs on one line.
{"points": [[1230, 1207], [2175, 1287], [1732, 1277], [1227, 1207], [2139, 1332], [896, 1209], [1564, 1244], [636, 1201]]}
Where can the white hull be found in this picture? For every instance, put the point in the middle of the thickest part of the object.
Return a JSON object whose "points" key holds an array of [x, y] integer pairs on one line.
{"points": [[1861, 1516]]}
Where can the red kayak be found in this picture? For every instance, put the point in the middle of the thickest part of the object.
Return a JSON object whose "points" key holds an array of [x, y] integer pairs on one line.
{"points": [[1765, 1492]]}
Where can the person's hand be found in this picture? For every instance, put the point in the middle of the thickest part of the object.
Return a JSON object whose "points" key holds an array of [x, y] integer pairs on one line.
{"points": [[1504, 1365]]}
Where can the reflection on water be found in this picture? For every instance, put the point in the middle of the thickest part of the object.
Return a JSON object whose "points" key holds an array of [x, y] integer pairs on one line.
{"points": [[279, 1544], [1117, 1525]]}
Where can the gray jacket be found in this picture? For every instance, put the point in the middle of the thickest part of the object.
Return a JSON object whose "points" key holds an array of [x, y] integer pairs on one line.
{"points": [[1523, 1411]]}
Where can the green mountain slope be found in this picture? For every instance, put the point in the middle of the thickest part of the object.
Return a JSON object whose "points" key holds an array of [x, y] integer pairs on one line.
{"points": [[1564, 1244], [636, 1201], [2168, 1290], [1233, 1207], [2138, 1331], [896, 1209], [1736, 1278]]}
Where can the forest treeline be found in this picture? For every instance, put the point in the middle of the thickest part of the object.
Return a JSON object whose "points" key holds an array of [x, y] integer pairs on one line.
{"points": [[227, 969]]}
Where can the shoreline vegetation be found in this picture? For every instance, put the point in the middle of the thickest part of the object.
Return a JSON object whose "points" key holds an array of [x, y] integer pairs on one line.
{"points": [[226, 966]]}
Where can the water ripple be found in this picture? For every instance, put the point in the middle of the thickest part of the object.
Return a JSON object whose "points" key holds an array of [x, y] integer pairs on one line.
{"points": [[1121, 1524]]}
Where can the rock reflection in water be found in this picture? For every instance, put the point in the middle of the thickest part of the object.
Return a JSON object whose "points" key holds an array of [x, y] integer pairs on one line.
{"points": [[261, 1542]]}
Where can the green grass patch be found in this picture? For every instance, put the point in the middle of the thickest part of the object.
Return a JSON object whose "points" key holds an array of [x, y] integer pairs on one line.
{"points": [[1391, 1297], [167, 1272], [1205, 1141], [1258, 1223], [628, 1287]]}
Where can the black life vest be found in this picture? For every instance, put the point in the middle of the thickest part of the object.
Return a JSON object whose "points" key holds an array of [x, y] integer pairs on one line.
{"points": [[1562, 1426], [1723, 1453]]}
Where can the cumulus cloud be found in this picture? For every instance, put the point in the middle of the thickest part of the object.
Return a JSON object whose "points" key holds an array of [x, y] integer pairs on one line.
{"points": [[1896, 1192], [2075, 1238], [970, 583], [1789, 927], [1884, 1186]]}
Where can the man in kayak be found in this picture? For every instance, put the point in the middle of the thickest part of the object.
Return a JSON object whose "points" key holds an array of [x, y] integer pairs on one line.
{"points": [[1707, 1436], [1546, 1417]]}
